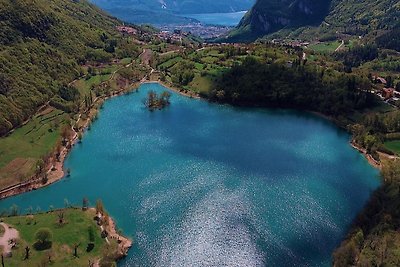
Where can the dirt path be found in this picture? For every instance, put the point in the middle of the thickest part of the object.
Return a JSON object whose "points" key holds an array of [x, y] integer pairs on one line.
{"points": [[340, 46], [9, 233], [146, 56]]}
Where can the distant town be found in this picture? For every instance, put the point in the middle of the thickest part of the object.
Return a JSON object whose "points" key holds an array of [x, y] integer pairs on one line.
{"points": [[199, 29], [176, 32]]}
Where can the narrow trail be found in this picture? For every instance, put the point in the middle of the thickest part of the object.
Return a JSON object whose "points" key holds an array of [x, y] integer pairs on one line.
{"points": [[340, 46]]}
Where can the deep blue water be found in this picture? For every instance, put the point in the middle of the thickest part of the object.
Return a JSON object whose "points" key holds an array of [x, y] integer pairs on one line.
{"points": [[222, 19], [201, 184]]}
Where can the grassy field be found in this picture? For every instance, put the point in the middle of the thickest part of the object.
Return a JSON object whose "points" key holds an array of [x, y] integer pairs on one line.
{"points": [[84, 85], [20, 151], [126, 61], [74, 230], [201, 84], [169, 63], [326, 47], [393, 146]]}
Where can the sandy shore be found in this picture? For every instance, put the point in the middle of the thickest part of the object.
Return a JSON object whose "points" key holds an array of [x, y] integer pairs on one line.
{"points": [[368, 156]]}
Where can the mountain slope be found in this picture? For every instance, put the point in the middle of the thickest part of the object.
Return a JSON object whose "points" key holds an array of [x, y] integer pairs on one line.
{"points": [[40, 52], [271, 15], [339, 16]]}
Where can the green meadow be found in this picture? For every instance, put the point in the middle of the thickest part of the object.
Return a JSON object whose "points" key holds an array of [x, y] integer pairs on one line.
{"points": [[73, 231]]}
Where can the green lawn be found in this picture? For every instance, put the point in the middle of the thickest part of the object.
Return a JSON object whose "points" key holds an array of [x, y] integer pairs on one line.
{"points": [[326, 47], [210, 60], [20, 151], [74, 230], [84, 85], [169, 63], [393, 146], [199, 66], [201, 84], [126, 61]]}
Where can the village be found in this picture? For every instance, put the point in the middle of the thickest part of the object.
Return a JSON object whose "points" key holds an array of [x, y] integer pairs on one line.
{"points": [[385, 91]]}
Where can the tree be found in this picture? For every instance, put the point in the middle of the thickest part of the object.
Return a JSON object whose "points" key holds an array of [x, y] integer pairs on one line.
{"points": [[99, 207], [91, 233], [43, 237], [76, 246], [391, 170], [154, 101], [66, 203], [45, 179], [14, 210], [85, 203], [27, 250], [61, 217]]}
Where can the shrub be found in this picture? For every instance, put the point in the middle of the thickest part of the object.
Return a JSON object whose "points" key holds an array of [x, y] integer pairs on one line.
{"points": [[43, 239]]}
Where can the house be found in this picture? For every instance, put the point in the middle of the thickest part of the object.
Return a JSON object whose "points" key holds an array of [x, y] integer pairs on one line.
{"points": [[127, 30], [387, 93], [380, 80]]}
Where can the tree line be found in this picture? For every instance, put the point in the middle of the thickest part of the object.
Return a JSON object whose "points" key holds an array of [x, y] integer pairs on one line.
{"points": [[292, 85]]}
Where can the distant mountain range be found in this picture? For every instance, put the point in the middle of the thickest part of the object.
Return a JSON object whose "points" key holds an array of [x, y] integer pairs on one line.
{"points": [[168, 11], [352, 17]]}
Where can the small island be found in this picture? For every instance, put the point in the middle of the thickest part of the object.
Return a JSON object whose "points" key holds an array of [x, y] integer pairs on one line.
{"points": [[154, 101], [65, 237]]}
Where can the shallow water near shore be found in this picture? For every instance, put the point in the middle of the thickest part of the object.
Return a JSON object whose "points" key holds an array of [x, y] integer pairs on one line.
{"points": [[200, 184]]}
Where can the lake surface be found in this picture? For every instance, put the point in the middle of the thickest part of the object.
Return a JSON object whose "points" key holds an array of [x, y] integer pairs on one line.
{"points": [[201, 184], [222, 19]]}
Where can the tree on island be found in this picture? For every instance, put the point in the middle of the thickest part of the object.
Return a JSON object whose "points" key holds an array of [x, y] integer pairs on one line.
{"points": [[153, 101]]}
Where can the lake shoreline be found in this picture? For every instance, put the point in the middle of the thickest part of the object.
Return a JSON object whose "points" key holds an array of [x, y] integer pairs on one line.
{"points": [[75, 139], [56, 171]]}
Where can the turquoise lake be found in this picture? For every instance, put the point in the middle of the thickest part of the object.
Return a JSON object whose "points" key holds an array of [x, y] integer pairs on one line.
{"points": [[221, 19], [200, 184]]}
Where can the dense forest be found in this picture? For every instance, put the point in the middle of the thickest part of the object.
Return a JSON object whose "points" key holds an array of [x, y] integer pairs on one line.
{"points": [[357, 55], [390, 39], [374, 238], [292, 85], [41, 52]]}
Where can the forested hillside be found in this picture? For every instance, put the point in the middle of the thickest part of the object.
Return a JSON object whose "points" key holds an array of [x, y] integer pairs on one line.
{"points": [[270, 15], [40, 52]]}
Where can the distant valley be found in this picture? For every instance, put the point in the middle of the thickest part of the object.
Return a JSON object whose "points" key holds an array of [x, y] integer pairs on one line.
{"points": [[161, 12]]}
